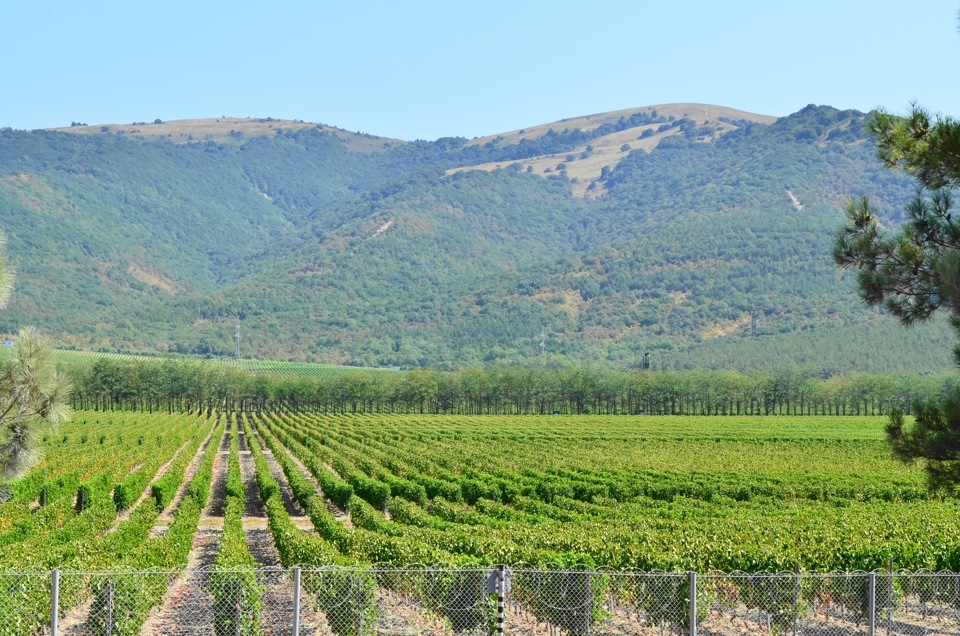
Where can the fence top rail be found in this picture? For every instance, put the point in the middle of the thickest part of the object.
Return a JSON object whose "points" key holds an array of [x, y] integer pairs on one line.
{"points": [[522, 569]]}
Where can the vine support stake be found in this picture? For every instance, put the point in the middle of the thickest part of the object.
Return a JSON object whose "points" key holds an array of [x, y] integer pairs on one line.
{"points": [[890, 596]]}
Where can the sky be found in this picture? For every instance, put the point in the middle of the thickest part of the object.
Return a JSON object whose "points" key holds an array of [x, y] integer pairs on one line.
{"points": [[422, 70]]}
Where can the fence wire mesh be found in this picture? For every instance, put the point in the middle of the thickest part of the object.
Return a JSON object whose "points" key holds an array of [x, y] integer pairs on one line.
{"points": [[25, 601], [919, 603], [476, 601], [784, 603]]}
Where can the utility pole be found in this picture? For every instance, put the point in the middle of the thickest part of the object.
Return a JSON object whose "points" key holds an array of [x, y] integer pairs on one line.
{"points": [[237, 338]]}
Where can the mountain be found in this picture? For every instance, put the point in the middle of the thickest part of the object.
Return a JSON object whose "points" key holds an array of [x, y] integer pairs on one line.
{"points": [[698, 233]]}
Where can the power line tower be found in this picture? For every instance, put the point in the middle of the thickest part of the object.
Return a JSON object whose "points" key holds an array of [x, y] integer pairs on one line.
{"points": [[543, 341], [646, 361], [236, 337]]}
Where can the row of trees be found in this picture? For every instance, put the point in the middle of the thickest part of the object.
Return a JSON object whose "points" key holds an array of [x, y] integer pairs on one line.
{"points": [[176, 385]]}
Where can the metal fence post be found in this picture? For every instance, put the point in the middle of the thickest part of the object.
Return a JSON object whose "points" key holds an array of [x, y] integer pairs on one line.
{"points": [[54, 602], [693, 603], [872, 603], [588, 606], [296, 600], [501, 585]]}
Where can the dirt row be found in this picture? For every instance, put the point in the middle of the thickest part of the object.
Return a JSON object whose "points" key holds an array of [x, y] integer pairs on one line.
{"points": [[187, 608], [396, 613], [165, 518], [278, 595], [294, 509], [76, 621]]}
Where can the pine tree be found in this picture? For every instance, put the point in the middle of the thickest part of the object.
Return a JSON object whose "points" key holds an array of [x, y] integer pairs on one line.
{"points": [[915, 271], [33, 394]]}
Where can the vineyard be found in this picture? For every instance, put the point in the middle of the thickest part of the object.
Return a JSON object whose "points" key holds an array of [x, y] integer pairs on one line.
{"points": [[151, 520]]}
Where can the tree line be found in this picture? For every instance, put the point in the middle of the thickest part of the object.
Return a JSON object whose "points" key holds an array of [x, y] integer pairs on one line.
{"points": [[180, 385]]}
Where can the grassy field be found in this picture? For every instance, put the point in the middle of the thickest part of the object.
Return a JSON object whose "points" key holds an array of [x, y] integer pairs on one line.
{"points": [[697, 112]]}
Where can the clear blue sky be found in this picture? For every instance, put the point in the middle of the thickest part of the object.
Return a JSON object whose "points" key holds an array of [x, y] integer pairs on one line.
{"points": [[412, 69]]}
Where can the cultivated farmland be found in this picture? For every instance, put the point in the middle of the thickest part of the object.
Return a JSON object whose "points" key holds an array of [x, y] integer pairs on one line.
{"points": [[171, 493], [649, 492]]}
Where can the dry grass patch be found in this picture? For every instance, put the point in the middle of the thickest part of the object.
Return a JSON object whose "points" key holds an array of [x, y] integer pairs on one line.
{"points": [[153, 277], [696, 112], [725, 327], [585, 166]]}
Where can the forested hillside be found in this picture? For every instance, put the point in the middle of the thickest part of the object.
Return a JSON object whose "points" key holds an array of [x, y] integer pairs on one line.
{"points": [[699, 234]]}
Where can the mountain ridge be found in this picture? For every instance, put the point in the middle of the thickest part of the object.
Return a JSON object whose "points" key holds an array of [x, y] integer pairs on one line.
{"points": [[224, 130], [453, 251]]}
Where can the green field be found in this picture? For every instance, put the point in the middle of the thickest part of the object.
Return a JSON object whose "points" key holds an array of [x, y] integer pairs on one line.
{"points": [[290, 370]]}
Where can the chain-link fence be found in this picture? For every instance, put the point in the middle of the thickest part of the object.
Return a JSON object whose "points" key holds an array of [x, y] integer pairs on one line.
{"points": [[517, 601]]}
